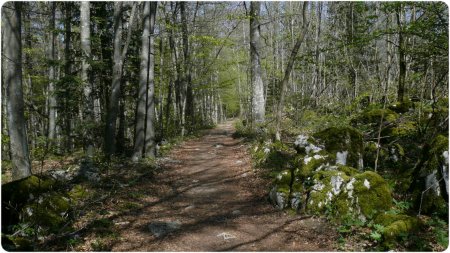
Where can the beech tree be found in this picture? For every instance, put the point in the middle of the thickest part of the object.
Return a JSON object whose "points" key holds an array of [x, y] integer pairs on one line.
{"points": [[118, 59], [88, 101], [144, 144], [258, 101], [12, 52], [52, 104]]}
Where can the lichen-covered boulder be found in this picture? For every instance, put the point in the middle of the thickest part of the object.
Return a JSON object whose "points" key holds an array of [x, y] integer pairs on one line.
{"points": [[433, 179], [297, 195], [282, 194], [273, 155], [305, 165], [48, 211], [306, 145], [326, 186], [370, 192], [344, 192], [396, 225], [344, 145], [287, 191], [279, 196]]}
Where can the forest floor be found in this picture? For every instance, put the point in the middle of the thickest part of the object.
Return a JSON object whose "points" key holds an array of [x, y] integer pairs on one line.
{"points": [[208, 198]]}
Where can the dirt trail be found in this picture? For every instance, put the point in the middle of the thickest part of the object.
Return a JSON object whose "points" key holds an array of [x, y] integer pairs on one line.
{"points": [[219, 204]]}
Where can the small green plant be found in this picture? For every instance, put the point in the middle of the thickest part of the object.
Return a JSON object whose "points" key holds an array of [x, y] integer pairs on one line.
{"points": [[440, 229], [24, 229], [402, 206], [377, 233], [72, 242], [375, 236]]}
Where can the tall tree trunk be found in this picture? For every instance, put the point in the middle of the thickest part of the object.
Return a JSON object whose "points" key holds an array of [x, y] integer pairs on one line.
{"points": [[149, 148], [256, 73], [118, 59], [27, 72], [316, 82], [52, 76], [67, 76], [106, 58], [350, 52], [161, 78], [11, 29], [189, 109], [113, 107], [143, 144], [178, 105], [88, 100], [401, 55], [287, 73]]}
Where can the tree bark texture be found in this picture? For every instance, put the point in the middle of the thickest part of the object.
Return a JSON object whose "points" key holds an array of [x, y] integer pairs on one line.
{"points": [[11, 29], [113, 107], [401, 55], [258, 102], [149, 147], [189, 110], [144, 136], [88, 100], [52, 104], [67, 74]]}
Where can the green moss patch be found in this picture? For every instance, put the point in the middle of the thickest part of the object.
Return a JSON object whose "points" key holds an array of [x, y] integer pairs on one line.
{"points": [[346, 193], [49, 211], [78, 194], [396, 225], [373, 116], [373, 193], [17, 194], [401, 107], [22, 190], [343, 139]]}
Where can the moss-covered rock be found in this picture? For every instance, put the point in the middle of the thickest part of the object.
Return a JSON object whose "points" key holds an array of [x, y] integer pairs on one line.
{"points": [[305, 145], [279, 196], [402, 107], [25, 189], [16, 194], [435, 167], [327, 185], [403, 129], [396, 225], [436, 159], [344, 192], [283, 177], [273, 155], [17, 243], [373, 116], [48, 211], [373, 193], [305, 165], [344, 144], [349, 171]]}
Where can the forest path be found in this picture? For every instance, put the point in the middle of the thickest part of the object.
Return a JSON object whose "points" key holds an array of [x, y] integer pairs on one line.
{"points": [[214, 201]]}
